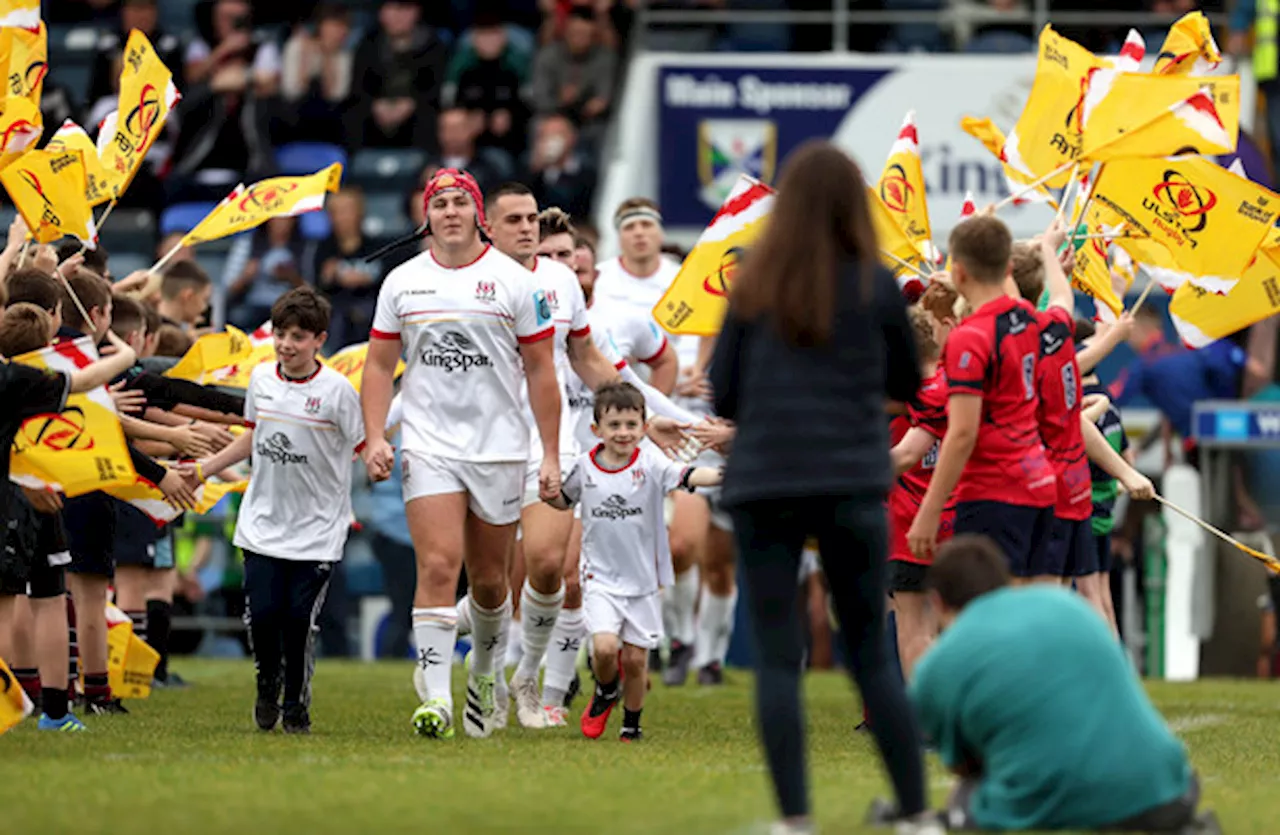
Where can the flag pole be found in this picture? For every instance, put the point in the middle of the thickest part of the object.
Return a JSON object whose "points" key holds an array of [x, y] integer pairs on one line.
{"points": [[167, 257], [84, 314], [917, 270], [1151, 282], [22, 255], [84, 247], [1062, 203], [1269, 562], [1024, 191]]}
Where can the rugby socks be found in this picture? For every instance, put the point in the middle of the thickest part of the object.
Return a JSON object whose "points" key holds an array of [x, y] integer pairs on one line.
{"points": [[139, 621], [435, 631], [630, 724], [485, 626], [562, 656], [463, 611], [715, 628], [96, 688], [54, 702], [73, 648], [677, 607], [504, 640], [159, 625], [29, 679], [514, 650], [538, 615]]}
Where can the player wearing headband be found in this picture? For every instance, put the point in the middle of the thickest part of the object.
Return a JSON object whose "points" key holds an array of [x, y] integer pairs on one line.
{"points": [[467, 317]]}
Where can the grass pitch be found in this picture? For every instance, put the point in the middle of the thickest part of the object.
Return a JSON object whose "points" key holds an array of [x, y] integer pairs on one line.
{"points": [[191, 762]]}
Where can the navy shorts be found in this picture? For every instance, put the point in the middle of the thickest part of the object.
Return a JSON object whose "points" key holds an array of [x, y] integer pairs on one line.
{"points": [[1072, 551], [91, 531], [1023, 533], [136, 534], [1102, 544]]}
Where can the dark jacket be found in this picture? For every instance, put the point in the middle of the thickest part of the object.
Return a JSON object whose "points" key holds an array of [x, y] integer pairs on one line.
{"points": [[811, 421]]}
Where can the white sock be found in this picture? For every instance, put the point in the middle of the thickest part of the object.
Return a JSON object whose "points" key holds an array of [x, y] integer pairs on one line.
{"points": [[562, 656], [514, 649], [677, 607], [463, 610], [485, 626], [504, 636], [435, 631], [715, 628], [538, 614]]}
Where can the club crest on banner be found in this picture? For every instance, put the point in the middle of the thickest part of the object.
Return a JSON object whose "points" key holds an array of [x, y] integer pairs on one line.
{"points": [[729, 148]]}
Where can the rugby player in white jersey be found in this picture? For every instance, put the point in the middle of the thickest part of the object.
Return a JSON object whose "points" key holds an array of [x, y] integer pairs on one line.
{"points": [[467, 317], [637, 279]]}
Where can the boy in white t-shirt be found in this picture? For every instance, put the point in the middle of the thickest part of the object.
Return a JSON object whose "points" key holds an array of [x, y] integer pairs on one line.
{"points": [[621, 488], [305, 426]]}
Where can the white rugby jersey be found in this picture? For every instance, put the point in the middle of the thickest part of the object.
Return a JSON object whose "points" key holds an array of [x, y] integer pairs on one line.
{"points": [[569, 316], [639, 335], [305, 432], [461, 330], [623, 532], [616, 285]]}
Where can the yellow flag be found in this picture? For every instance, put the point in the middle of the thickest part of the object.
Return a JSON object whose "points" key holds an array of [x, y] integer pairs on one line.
{"points": [[350, 363], [1092, 273], [71, 137], [210, 353], [695, 301], [147, 95], [985, 131], [1202, 317], [20, 13], [1211, 221], [1189, 48], [26, 61], [144, 496], [247, 207], [79, 450], [131, 662], [48, 187], [992, 138], [21, 126], [895, 246], [1047, 134], [1136, 115], [14, 704], [901, 186]]}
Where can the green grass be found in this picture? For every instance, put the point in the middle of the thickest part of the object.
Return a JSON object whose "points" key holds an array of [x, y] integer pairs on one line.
{"points": [[191, 762]]}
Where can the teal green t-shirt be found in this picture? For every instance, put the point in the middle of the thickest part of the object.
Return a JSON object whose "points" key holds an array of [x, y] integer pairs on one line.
{"points": [[1030, 684]]}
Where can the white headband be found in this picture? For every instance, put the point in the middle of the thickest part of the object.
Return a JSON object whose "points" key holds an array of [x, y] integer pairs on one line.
{"points": [[638, 214]]}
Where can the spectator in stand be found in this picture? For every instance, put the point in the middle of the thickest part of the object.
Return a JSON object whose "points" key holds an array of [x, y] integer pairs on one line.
{"points": [[487, 75], [350, 282], [224, 137], [143, 16], [575, 74], [316, 79], [457, 133], [276, 256], [80, 11], [558, 174], [399, 70]]}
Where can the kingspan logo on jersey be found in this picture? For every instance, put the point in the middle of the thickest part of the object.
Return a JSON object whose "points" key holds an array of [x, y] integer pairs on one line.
{"points": [[615, 507], [453, 351], [278, 449]]}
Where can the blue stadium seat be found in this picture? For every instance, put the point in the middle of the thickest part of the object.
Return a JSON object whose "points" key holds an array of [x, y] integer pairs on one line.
{"points": [[183, 217], [308, 157], [314, 226], [385, 167], [384, 215]]}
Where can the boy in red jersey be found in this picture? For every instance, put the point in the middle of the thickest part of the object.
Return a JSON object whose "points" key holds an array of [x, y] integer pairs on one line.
{"points": [[993, 436], [915, 437]]}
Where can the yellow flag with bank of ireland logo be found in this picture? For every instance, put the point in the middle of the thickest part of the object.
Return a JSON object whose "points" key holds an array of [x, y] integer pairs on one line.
{"points": [[80, 449], [71, 137], [350, 361], [211, 353], [1189, 48], [1210, 220], [147, 96], [695, 302], [26, 60], [1047, 135], [901, 185], [249, 206], [1137, 115], [1202, 317], [48, 187]]}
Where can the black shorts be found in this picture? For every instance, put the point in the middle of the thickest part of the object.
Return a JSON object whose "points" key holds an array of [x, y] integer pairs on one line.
{"points": [[907, 576], [136, 534], [91, 531], [1102, 544], [1021, 532], [35, 553], [1072, 552], [19, 547]]}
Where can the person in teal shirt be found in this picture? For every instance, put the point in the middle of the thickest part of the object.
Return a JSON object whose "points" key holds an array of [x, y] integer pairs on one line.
{"points": [[1028, 696]]}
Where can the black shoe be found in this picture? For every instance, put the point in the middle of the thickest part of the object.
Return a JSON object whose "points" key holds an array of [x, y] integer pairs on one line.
{"points": [[677, 665], [102, 707], [173, 681], [266, 713], [575, 687], [655, 661], [296, 720], [630, 735], [711, 675]]}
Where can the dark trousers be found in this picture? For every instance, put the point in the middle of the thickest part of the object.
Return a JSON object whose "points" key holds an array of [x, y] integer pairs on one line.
{"points": [[283, 599], [852, 538], [399, 580], [1173, 816]]}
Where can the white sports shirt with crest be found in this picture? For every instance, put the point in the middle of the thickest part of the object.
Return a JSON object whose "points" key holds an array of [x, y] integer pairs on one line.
{"points": [[615, 285], [305, 432], [621, 334], [622, 526], [461, 329], [569, 315]]}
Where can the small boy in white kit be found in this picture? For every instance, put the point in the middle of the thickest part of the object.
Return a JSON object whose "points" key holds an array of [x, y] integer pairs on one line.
{"points": [[621, 488]]}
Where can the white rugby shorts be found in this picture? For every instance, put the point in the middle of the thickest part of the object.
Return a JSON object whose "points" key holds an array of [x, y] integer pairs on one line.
{"points": [[493, 488], [636, 620]]}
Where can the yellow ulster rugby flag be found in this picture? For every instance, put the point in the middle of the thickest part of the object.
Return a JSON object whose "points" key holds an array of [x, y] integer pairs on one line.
{"points": [[210, 353], [250, 206], [1189, 48], [901, 186], [1134, 115], [695, 301], [263, 349], [20, 13], [82, 448], [147, 96], [48, 187], [992, 138], [143, 495], [1047, 134], [1211, 221], [71, 137], [21, 126], [131, 662], [26, 61], [1092, 273], [1202, 317], [14, 704], [350, 363], [893, 242]]}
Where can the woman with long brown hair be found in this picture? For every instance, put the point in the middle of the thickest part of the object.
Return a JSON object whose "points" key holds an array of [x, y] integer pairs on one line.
{"points": [[815, 339]]}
